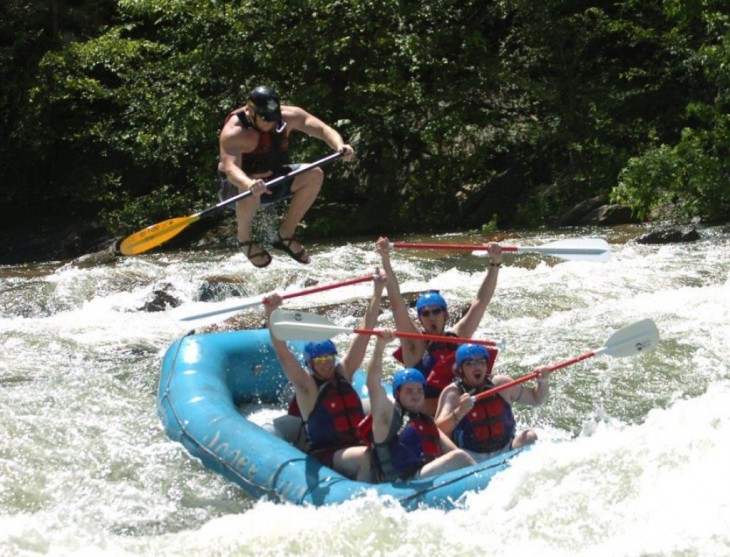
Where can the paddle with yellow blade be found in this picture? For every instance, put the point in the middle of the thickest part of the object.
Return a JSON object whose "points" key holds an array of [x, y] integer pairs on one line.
{"points": [[298, 325], [580, 249], [636, 338], [159, 233]]}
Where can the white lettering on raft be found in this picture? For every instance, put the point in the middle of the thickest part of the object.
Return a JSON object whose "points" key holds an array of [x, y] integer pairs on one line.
{"points": [[248, 470]]}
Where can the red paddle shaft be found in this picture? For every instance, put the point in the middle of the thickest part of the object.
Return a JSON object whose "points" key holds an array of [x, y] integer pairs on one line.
{"points": [[314, 289], [421, 336], [533, 375]]}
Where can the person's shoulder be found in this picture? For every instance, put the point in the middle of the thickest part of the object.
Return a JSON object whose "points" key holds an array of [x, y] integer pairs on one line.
{"points": [[234, 128], [289, 109], [294, 116], [501, 379], [450, 389], [235, 134]]}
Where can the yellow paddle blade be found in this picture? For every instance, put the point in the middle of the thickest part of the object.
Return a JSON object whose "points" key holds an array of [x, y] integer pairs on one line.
{"points": [[154, 235]]}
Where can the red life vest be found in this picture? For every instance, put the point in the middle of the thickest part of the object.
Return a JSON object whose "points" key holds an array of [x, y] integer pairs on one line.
{"points": [[437, 364], [293, 409], [271, 152], [335, 416], [489, 426], [429, 434], [412, 442]]}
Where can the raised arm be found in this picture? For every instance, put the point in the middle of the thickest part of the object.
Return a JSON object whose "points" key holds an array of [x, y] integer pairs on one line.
{"points": [[381, 406], [354, 356], [412, 349], [304, 385], [305, 122], [468, 324]]}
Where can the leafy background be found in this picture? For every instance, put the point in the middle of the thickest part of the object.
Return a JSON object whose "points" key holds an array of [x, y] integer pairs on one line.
{"points": [[464, 114]]}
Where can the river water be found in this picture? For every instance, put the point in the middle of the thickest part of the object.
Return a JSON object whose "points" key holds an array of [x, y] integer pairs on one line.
{"points": [[632, 457]]}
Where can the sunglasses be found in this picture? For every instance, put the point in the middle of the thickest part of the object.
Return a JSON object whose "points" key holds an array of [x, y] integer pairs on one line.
{"points": [[430, 312], [475, 362], [323, 359]]}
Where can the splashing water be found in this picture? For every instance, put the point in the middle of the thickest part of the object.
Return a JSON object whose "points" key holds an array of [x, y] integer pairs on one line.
{"points": [[631, 453]]}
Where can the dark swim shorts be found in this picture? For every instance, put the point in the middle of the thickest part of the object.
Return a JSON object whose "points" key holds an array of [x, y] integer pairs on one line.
{"points": [[279, 192], [326, 456]]}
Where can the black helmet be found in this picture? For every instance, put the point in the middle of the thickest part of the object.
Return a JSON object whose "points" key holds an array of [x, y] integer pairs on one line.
{"points": [[265, 102]]}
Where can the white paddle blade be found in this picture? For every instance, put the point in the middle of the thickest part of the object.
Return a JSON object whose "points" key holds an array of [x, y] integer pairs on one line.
{"points": [[641, 336], [299, 317], [581, 249], [207, 313], [299, 325], [291, 330]]}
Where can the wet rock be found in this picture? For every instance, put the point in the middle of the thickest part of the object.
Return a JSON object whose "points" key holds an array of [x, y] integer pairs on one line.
{"points": [[107, 256], [669, 235], [161, 299], [220, 288], [595, 211], [610, 215], [579, 212]]}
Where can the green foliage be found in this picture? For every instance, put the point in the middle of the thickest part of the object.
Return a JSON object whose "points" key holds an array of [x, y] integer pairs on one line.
{"points": [[492, 225], [456, 109], [156, 206], [690, 178], [683, 181]]}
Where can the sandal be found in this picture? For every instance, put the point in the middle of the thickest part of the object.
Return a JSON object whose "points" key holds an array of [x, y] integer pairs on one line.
{"points": [[284, 244], [247, 247]]}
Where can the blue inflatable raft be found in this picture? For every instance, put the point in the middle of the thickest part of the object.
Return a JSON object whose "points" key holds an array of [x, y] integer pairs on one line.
{"points": [[204, 380]]}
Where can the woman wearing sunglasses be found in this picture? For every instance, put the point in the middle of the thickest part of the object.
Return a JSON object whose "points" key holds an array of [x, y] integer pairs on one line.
{"points": [[435, 359], [329, 406]]}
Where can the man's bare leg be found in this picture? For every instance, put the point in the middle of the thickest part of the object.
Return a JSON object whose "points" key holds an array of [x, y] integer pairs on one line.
{"points": [[305, 189]]}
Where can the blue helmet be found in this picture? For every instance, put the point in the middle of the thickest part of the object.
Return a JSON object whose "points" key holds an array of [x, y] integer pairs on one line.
{"points": [[407, 375], [430, 298], [314, 349], [468, 351]]}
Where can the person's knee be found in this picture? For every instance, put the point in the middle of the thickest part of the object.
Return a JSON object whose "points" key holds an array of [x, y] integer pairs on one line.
{"points": [[286, 427], [271, 429], [526, 437], [458, 459], [317, 176], [310, 182], [463, 458]]}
